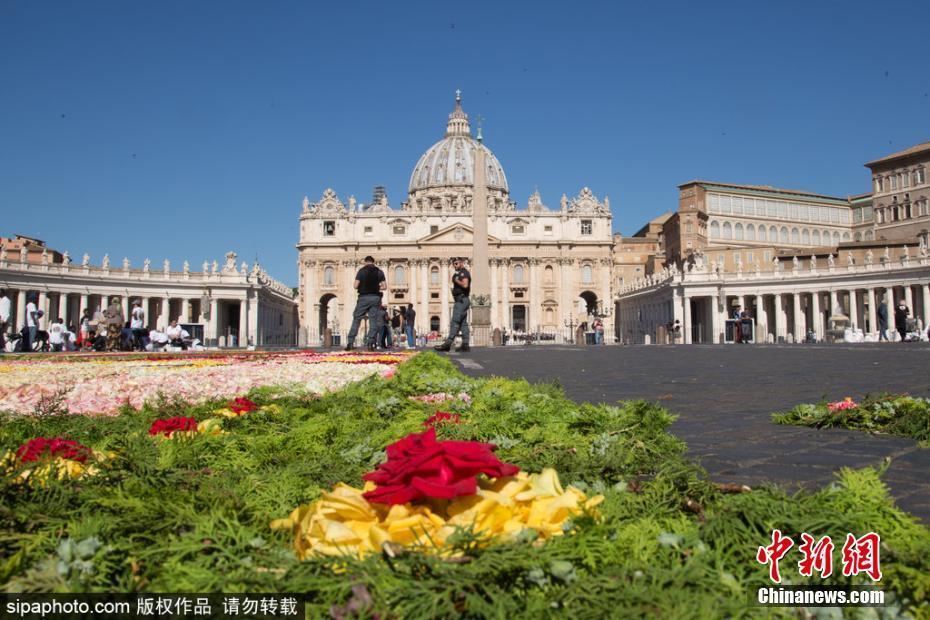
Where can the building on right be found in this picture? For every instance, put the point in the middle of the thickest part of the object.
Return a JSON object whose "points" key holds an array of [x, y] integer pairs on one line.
{"points": [[803, 266]]}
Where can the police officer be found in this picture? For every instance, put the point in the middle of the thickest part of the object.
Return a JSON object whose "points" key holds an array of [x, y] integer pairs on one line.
{"points": [[369, 282], [461, 287]]}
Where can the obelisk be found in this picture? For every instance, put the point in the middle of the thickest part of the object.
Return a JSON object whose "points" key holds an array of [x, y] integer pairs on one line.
{"points": [[480, 265]]}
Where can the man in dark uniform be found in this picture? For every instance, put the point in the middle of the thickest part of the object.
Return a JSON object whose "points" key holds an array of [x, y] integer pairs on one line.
{"points": [[369, 282], [461, 287]]}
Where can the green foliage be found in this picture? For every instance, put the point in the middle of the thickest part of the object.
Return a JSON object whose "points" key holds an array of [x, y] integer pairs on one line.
{"points": [[192, 515], [905, 416]]}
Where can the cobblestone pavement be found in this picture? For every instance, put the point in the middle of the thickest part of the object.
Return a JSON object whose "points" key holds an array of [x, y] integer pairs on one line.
{"points": [[724, 396]]}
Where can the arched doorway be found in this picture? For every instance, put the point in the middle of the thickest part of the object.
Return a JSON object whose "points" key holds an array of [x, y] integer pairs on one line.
{"points": [[434, 324], [587, 303], [329, 314]]}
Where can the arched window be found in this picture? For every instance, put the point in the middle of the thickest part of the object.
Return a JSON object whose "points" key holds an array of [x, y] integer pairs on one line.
{"points": [[795, 236], [434, 323], [816, 237], [806, 237], [434, 275], [845, 236], [329, 275], [836, 238], [773, 234], [400, 275], [762, 236], [783, 234], [548, 274], [869, 236], [738, 231], [826, 237], [727, 230], [858, 237], [518, 274], [550, 316], [715, 229], [587, 274], [750, 232]]}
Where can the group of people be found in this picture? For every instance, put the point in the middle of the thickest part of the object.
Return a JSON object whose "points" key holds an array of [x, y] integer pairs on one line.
{"points": [[370, 284], [901, 318], [101, 330]]}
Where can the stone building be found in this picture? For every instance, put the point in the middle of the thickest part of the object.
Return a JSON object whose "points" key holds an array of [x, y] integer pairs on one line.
{"points": [[222, 304], [798, 262], [548, 268], [900, 191]]}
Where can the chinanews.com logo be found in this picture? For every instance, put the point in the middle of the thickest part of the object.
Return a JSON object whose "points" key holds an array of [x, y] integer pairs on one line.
{"points": [[859, 556]]}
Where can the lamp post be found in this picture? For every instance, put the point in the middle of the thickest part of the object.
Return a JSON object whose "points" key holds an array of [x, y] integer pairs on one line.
{"points": [[570, 324]]}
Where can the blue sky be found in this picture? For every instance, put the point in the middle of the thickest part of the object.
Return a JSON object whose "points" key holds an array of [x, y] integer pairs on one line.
{"points": [[181, 130]]}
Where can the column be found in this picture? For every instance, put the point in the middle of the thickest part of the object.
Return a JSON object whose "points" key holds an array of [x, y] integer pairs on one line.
{"points": [[761, 334], [534, 301], [686, 322], [83, 307], [185, 310], [311, 299], [566, 309], [780, 318], [124, 302], [892, 328], [244, 321], [214, 331], [253, 318], [423, 310], [853, 309], [798, 319], [165, 314], [21, 309], [909, 299], [445, 283], [925, 291], [495, 294], [816, 316], [412, 285], [870, 297], [43, 306], [714, 319], [347, 296], [505, 294], [146, 323], [834, 302]]}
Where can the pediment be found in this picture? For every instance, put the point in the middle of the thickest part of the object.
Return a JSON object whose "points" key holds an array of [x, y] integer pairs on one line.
{"points": [[457, 234]]}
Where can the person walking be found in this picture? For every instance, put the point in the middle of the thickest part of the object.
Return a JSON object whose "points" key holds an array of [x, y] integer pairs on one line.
{"points": [[598, 331], [410, 317], [900, 318], [461, 289], [882, 321], [137, 324], [5, 309], [369, 282]]}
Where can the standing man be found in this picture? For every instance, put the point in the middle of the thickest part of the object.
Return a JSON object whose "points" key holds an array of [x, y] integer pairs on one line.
{"points": [[461, 288], [114, 323], [882, 321], [4, 319], [900, 318], [410, 317], [32, 322], [369, 282]]}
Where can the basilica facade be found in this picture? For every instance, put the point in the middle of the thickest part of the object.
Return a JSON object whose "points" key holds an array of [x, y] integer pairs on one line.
{"points": [[549, 268]]}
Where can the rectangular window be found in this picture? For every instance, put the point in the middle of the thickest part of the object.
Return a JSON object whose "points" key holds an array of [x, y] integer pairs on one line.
{"points": [[368, 231], [434, 295], [804, 212], [894, 181], [793, 210], [547, 229], [587, 227], [750, 257], [433, 229], [767, 256], [738, 205], [782, 209], [329, 228], [770, 209], [517, 229], [713, 203], [867, 213], [920, 176], [879, 184], [399, 230], [689, 228], [726, 204], [905, 179]]}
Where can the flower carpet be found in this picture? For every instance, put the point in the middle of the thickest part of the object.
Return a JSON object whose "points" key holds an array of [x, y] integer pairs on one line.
{"points": [[100, 384], [414, 491]]}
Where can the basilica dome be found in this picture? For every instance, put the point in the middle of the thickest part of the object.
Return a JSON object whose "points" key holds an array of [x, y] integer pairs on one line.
{"points": [[451, 161]]}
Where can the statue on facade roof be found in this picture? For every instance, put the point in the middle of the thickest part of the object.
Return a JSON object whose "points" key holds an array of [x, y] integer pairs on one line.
{"points": [[145, 265], [923, 250], [166, 266], [243, 268], [306, 204], [564, 202], [125, 263], [206, 266], [351, 203], [907, 252], [887, 255], [214, 267], [230, 265], [45, 256], [795, 263], [187, 267], [66, 258], [85, 261], [831, 262], [23, 253], [869, 257], [813, 262], [105, 263], [3, 253], [850, 261]]}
